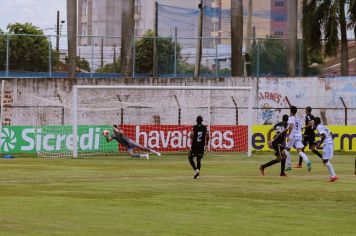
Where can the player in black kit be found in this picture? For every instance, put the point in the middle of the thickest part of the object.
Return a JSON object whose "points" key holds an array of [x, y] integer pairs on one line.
{"points": [[278, 145], [309, 136], [200, 138]]}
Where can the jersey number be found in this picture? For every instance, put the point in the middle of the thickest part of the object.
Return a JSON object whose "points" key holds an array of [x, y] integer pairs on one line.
{"points": [[200, 135]]}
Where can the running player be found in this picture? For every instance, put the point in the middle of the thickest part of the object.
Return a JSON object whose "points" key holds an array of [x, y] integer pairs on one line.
{"points": [[295, 138], [200, 138], [328, 148], [277, 144], [309, 136], [119, 136]]}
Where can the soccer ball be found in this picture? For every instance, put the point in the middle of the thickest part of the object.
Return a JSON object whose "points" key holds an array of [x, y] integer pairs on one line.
{"points": [[106, 132]]}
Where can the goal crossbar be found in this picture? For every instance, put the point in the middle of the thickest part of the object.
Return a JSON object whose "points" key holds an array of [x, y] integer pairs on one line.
{"points": [[134, 87]]}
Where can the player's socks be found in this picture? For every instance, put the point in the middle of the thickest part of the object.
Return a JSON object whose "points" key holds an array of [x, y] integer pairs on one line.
{"points": [[305, 158], [197, 172], [155, 152], [270, 163], [192, 163], [316, 152], [300, 162], [198, 163], [145, 156], [289, 160], [330, 169], [283, 165]]}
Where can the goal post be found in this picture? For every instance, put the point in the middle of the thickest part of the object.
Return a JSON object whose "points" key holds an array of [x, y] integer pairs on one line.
{"points": [[165, 111]]}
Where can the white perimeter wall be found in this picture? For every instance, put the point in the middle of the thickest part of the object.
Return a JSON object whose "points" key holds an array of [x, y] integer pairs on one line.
{"points": [[323, 94]]}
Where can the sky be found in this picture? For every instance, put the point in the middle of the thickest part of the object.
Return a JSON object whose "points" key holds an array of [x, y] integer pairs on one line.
{"points": [[41, 13]]}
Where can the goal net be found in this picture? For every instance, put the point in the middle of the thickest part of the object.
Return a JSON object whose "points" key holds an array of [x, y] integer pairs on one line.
{"points": [[161, 118]]}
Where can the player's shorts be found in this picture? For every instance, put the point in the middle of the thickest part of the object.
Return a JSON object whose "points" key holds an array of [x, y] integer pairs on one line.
{"points": [[196, 153], [309, 139], [278, 148], [131, 145], [328, 151], [295, 142]]}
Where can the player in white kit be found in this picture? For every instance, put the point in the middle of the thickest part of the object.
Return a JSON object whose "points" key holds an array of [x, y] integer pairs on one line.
{"points": [[295, 138], [328, 148]]}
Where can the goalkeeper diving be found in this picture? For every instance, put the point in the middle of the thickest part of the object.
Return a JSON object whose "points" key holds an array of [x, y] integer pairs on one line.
{"points": [[128, 143]]}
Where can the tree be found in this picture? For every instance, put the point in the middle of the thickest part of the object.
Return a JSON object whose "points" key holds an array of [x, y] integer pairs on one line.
{"points": [[83, 64], [165, 49], [273, 57], [325, 18], [109, 68], [237, 63], [127, 33], [26, 53], [2, 50]]}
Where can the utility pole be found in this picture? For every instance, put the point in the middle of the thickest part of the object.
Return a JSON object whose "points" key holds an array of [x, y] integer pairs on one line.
{"points": [[199, 40], [249, 27], [292, 36], [114, 58], [155, 54], [237, 62], [57, 37], [72, 36], [102, 53]]}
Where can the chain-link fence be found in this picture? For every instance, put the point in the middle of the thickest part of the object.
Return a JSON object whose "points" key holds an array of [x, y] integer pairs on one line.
{"points": [[46, 56]]}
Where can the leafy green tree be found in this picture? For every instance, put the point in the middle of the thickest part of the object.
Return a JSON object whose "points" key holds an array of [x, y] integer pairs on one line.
{"points": [[188, 69], [2, 50], [165, 48], [28, 48], [326, 20], [272, 57], [109, 68], [83, 64]]}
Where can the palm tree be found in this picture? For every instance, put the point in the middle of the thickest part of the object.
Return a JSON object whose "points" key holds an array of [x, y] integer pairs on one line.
{"points": [[236, 37], [322, 21], [127, 33], [72, 36]]}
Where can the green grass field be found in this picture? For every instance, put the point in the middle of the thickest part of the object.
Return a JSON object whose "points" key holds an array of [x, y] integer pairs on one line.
{"points": [[123, 196]]}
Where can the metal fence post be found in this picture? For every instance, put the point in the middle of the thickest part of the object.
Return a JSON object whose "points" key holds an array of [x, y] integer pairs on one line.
{"points": [[7, 55], [345, 107], [300, 58], [216, 57], [133, 56], [49, 56], [92, 57], [175, 52], [258, 60]]}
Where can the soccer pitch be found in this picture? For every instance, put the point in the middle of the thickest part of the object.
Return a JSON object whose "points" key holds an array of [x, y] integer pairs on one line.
{"points": [[123, 196]]}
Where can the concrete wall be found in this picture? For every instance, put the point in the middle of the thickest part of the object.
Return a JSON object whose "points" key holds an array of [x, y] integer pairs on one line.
{"points": [[40, 101]]}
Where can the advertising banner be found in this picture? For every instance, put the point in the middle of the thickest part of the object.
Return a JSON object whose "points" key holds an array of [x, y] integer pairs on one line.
{"points": [[27, 139], [344, 137]]}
